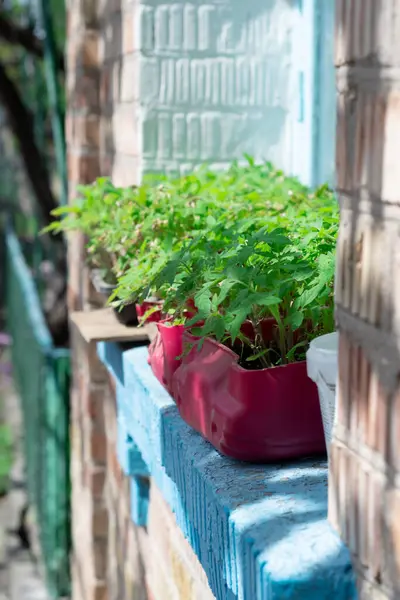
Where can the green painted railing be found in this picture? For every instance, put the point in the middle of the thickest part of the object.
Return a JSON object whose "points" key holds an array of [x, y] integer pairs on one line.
{"points": [[41, 373]]}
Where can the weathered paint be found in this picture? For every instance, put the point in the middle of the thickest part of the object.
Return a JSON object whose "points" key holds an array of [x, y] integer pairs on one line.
{"points": [[260, 532], [227, 77], [129, 455], [325, 95]]}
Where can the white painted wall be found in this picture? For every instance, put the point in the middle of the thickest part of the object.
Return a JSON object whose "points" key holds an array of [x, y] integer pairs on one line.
{"points": [[225, 77]]}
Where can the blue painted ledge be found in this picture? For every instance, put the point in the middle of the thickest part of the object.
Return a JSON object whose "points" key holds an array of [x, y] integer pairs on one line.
{"points": [[260, 532]]}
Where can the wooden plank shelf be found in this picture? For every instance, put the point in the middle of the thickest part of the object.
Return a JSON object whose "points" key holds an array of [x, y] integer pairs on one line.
{"points": [[103, 326]]}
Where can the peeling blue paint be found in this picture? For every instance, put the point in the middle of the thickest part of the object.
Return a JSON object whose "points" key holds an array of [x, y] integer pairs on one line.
{"points": [[259, 531], [140, 487]]}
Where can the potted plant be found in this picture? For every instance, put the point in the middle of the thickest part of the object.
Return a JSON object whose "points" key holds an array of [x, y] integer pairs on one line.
{"points": [[241, 262], [263, 293], [102, 214]]}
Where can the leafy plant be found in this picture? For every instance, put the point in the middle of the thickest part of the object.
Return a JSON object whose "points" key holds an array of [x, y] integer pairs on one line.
{"points": [[249, 274], [240, 246]]}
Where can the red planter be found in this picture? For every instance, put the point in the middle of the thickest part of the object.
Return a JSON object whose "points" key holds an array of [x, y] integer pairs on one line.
{"points": [[163, 352], [141, 310], [260, 415]]}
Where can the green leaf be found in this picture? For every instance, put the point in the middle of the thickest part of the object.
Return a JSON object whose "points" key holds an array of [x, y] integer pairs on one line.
{"points": [[295, 319], [233, 327], [254, 357], [65, 210], [291, 354], [215, 326], [226, 287], [261, 299], [308, 296]]}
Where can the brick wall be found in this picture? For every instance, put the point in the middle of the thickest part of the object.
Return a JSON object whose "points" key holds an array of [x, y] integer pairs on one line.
{"points": [[365, 467], [119, 90], [114, 559]]}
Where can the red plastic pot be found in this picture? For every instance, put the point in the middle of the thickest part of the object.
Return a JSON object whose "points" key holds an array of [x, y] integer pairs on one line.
{"points": [[164, 350], [258, 416], [141, 310]]}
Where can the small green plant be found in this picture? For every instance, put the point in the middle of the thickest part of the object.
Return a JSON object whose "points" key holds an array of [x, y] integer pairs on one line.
{"points": [[240, 246]]}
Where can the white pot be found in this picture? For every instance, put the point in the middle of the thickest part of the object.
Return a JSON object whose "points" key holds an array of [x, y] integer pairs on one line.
{"points": [[322, 367]]}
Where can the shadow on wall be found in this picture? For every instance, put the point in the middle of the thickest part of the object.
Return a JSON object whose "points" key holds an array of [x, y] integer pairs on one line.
{"points": [[367, 299]]}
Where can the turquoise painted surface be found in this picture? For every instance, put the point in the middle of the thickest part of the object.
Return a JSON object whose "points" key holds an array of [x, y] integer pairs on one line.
{"points": [[325, 94], [260, 532], [314, 137], [129, 455]]}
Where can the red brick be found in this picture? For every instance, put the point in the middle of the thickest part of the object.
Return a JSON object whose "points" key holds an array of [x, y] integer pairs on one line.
{"points": [[89, 50], [106, 164], [100, 558], [99, 521], [393, 526], [83, 93], [83, 131], [114, 466], [93, 369], [98, 447], [83, 51], [106, 95], [343, 390], [95, 480], [82, 168], [107, 144], [93, 404]]}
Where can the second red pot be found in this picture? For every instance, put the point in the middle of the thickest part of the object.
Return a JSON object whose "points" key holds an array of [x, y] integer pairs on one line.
{"points": [[164, 351]]}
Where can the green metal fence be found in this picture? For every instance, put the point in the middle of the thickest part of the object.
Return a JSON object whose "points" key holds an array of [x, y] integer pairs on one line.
{"points": [[41, 373]]}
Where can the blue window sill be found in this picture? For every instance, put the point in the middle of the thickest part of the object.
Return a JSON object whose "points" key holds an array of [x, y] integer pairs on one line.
{"points": [[260, 532]]}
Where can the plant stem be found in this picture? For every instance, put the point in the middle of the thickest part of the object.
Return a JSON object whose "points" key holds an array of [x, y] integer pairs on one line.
{"points": [[259, 344]]}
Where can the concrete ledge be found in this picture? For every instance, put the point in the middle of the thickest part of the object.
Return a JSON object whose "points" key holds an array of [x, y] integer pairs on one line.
{"points": [[260, 532]]}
